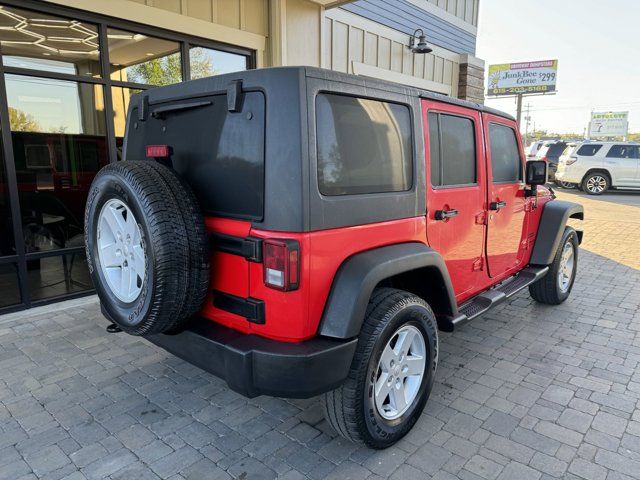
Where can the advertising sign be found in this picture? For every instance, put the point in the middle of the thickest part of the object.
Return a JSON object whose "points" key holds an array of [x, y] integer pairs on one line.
{"points": [[523, 78], [609, 124]]}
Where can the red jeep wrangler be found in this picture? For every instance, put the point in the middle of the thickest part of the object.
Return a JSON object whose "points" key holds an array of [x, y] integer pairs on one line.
{"points": [[297, 231]]}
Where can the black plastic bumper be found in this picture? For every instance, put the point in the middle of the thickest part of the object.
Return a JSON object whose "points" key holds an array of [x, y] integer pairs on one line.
{"points": [[253, 365]]}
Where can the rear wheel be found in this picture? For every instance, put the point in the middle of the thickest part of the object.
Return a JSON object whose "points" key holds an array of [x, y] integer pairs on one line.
{"points": [[555, 287], [596, 183], [392, 372], [567, 185]]}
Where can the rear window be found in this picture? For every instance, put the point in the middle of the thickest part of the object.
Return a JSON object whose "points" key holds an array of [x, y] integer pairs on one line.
{"points": [[364, 146], [556, 149], [219, 153], [588, 150]]}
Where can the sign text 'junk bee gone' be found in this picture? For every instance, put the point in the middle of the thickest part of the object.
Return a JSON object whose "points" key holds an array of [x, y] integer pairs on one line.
{"points": [[523, 78]]}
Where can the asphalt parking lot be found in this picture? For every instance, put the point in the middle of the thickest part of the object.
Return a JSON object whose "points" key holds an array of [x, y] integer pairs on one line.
{"points": [[524, 392]]}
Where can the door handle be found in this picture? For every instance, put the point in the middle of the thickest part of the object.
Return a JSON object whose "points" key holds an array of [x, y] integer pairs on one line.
{"points": [[444, 214], [497, 205]]}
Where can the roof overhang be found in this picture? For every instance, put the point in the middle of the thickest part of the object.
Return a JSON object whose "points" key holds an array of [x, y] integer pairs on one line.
{"points": [[331, 3]]}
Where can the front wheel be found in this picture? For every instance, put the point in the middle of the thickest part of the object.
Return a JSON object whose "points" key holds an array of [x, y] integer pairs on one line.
{"points": [[391, 374], [555, 287]]}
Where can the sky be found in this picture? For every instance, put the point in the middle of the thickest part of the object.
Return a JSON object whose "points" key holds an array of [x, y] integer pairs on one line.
{"points": [[596, 43]]}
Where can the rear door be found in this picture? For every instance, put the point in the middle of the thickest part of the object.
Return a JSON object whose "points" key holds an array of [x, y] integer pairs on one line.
{"points": [[622, 162], [456, 193], [507, 239]]}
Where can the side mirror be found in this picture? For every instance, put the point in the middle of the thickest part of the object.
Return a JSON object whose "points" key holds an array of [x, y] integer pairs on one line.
{"points": [[536, 172]]}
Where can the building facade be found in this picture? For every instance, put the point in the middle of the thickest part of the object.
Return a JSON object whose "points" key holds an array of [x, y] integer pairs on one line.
{"points": [[69, 67]]}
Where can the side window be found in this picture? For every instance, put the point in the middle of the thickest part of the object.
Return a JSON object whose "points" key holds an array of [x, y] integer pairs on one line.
{"points": [[505, 156], [364, 146], [588, 150], [452, 150], [623, 151]]}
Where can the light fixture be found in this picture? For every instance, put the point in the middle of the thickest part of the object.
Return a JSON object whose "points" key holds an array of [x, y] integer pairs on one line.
{"points": [[418, 43]]}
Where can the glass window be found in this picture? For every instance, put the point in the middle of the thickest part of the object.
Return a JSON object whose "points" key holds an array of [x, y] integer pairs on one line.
{"points": [[37, 41], [454, 139], [9, 285], [137, 58], [59, 144], [434, 149], [7, 244], [206, 62], [505, 156], [623, 151], [364, 146], [54, 276], [121, 98], [589, 150]]}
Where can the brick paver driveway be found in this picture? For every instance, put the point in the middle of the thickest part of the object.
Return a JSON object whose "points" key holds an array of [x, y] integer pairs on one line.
{"points": [[526, 391]]}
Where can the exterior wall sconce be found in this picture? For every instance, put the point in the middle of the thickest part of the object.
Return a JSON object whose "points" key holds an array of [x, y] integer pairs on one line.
{"points": [[418, 43]]}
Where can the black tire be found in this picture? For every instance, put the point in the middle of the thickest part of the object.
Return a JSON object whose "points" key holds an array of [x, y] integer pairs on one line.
{"points": [[350, 409], [165, 290], [547, 290], [198, 265], [590, 180], [567, 185]]}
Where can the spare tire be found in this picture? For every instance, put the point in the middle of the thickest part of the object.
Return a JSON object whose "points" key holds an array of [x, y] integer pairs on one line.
{"points": [[146, 247]]}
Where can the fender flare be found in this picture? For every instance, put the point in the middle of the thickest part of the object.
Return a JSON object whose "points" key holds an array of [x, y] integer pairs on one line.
{"points": [[359, 274], [554, 219]]}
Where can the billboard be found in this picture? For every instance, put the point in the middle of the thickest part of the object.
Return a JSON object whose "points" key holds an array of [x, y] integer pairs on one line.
{"points": [[609, 124], [523, 78]]}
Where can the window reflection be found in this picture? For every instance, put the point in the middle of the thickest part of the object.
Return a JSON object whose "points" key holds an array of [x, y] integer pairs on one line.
{"points": [[53, 276], [9, 286], [7, 246], [37, 41], [137, 58], [59, 144], [121, 97], [206, 62]]}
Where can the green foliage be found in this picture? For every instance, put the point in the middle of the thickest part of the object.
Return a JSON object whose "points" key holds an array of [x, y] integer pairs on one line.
{"points": [[20, 121], [168, 70]]}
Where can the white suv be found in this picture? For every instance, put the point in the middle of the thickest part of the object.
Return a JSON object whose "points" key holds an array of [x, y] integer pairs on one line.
{"points": [[597, 166]]}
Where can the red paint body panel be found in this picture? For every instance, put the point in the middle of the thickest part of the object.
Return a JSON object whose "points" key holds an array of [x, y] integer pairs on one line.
{"points": [[460, 239], [504, 242]]}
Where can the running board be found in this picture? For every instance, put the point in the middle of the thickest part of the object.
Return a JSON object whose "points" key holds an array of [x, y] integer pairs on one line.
{"points": [[489, 299]]}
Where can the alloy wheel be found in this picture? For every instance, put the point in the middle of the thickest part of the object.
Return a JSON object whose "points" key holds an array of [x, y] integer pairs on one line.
{"points": [[121, 250], [400, 372]]}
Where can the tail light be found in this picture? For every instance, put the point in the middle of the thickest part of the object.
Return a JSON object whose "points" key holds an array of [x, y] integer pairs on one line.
{"points": [[572, 160], [281, 262], [545, 159]]}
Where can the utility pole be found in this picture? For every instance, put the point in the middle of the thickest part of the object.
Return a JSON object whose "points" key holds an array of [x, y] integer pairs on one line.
{"points": [[527, 119], [519, 108]]}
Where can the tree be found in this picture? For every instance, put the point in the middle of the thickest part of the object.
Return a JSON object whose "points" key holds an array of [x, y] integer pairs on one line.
{"points": [[168, 70], [20, 121]]}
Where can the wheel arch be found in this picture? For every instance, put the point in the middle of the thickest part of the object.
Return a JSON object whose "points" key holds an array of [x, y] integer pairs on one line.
{"points": [[598, 170], [554, 219], [413, 267]]}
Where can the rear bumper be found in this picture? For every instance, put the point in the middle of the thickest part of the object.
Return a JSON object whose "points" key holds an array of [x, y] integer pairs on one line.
{"points": [[253, 365]]}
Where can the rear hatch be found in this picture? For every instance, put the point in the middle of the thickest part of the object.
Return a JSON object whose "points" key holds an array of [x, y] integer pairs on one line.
{"points": [[220, 153]]}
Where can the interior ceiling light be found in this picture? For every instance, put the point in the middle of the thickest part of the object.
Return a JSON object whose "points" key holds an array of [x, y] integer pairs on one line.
{"points": [[24, 26]]}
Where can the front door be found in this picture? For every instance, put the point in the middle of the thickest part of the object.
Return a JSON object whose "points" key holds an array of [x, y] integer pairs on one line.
{"points": [[456, 193], [622, 161], [506, 226]]}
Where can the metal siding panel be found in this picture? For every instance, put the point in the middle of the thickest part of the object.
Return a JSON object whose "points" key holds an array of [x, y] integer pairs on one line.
{"points": [[406, 17]]}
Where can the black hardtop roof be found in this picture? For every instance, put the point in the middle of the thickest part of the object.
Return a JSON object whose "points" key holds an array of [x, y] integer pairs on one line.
{"points": [[275, 75]]}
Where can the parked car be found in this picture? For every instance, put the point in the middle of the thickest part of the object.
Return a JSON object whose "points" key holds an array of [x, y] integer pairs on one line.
{"points": [[598, 166], [291, 231], [532, 149], [550, 152]]}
